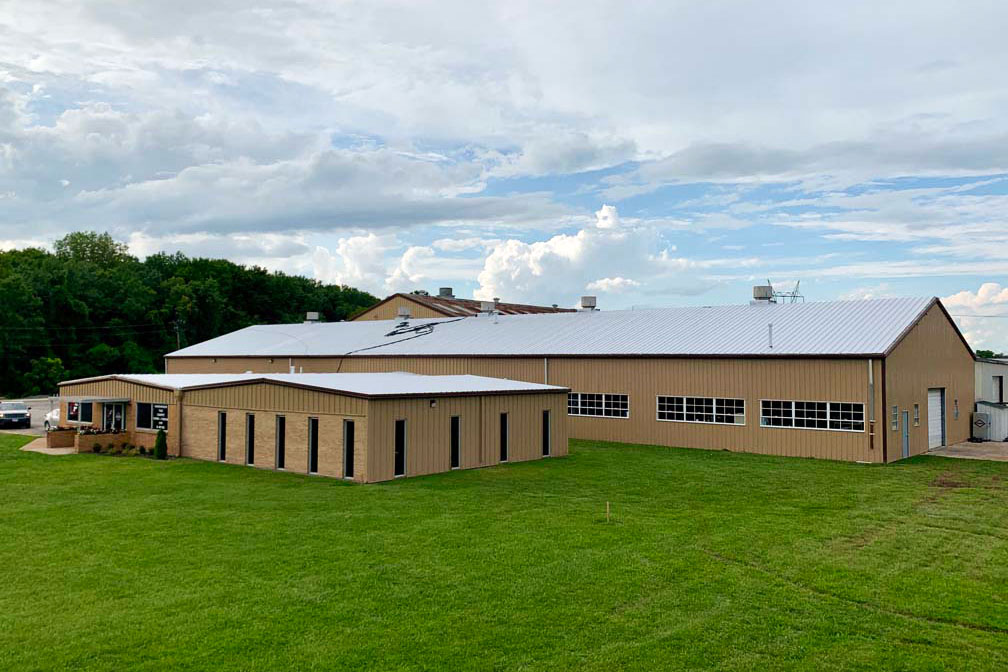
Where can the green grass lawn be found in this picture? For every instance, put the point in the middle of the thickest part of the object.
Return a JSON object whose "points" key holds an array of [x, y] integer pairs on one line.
{"points": [[712, 560]]}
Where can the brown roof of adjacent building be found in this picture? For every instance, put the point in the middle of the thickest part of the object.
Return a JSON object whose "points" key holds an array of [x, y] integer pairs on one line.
{"points": [[454, 307]]}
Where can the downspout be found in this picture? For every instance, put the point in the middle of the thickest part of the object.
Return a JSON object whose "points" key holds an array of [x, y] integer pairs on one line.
{"points": [[179, 398], [545, 370], [871, 404], [885, 409]]}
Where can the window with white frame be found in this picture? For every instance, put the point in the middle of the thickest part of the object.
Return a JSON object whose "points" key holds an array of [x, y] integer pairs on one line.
{"points": [[829, 415], [598, 405], [710, 410]]}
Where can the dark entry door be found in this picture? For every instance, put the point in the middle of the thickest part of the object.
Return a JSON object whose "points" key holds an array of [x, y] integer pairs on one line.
{"points": [[400, 448]]}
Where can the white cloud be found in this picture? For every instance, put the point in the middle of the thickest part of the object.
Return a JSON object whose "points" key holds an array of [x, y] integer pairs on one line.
{"points": [[982, 315], [554, 270], [612, 285]]}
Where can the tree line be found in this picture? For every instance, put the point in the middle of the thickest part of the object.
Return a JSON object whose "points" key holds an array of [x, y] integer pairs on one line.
{"points": [[90, 308]]}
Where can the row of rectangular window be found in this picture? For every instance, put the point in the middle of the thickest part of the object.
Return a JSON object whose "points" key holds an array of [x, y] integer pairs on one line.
{"points": [[598, 405], [828, 415], [711, 410]]}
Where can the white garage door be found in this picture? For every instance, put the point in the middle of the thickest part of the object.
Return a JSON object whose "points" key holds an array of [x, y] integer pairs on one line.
{"points": [[936, 418]]}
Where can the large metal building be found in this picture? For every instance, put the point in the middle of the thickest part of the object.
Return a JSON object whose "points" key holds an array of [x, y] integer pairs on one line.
{"points": [[864, 380]]}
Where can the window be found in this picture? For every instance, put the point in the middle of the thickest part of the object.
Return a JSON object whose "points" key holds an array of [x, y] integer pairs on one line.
{"points": [[400, 448], [312, 445], [455, 442], [221, 436], [503, 437], [151, 416], [830, 415], [348, 449], [249, 438], [546, 433], [73, 411], [281, 441], [895, 418], [86, 412], [916, 415], [998, 392], [702, 409], [598, 405]]}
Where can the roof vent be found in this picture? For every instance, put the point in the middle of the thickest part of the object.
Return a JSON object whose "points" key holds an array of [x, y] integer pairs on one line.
{"points": [[312, 316], [763, 293], [445, 293], [588, 303]]}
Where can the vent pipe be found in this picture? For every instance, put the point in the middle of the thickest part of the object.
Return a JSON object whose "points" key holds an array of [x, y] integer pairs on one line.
{"points": [[770, 334]]}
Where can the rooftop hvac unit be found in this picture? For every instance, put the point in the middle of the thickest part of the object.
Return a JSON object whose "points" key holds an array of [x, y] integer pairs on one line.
{"points": [[312, 316], [981, 423], [762, 292], [486, 306], [403, 313], [588, 303], [445, 293]]}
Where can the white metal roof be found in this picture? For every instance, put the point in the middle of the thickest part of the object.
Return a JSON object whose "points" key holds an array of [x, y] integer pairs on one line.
{"points": [[394, 384], [830, 328]]}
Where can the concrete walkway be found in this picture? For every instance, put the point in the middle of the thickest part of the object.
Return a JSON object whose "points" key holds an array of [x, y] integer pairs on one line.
{"points": [[988, 450], [39, 446]]}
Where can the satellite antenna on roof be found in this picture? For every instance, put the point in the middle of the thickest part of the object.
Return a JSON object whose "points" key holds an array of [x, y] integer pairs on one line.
{"points": [[794, 296]]}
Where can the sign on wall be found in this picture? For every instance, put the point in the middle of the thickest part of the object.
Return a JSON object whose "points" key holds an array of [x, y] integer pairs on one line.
{"points": [[159, 419]]}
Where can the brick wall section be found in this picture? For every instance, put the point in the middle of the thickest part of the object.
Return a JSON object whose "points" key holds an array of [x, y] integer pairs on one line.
{"points": [[61, 438], [199, 439]]}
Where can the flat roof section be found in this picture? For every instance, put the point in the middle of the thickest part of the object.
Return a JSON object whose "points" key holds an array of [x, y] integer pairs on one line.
{"points": [[371, 385]]}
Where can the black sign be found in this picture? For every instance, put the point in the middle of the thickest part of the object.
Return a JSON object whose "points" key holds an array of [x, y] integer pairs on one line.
{"points": [[159, 419]]}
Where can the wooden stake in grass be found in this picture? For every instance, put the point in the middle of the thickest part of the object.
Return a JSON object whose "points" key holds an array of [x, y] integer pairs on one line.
{"points": [[607, 512]]}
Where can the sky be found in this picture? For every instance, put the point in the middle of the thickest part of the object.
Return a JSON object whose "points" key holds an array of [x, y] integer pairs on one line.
{"points": [[651, 154]]}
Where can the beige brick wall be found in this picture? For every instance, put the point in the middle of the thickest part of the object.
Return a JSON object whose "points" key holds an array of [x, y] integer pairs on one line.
{"points": [[199, 439]]}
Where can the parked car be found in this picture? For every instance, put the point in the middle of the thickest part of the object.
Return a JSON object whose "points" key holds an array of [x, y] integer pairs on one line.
{"points": [[14, 414], [52, 419]]}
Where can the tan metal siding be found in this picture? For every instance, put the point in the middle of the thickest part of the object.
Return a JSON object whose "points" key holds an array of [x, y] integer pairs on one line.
{"points": [[428, 431], [118, 389], [267, 397], [390, 310], [931, 355], [645, 378]]}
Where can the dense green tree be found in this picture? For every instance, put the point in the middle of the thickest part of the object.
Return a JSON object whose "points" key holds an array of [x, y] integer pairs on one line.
{"points": [[990, 354], [43, 375], [96, 309]]}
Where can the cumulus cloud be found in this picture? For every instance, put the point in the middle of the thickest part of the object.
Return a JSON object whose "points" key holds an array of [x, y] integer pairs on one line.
{"points": [[612, 285], [982, 315], [555, 270]]}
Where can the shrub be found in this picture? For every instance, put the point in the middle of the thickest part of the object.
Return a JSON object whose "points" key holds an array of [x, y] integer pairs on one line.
{"points": [[124, 447], [96, 448], [160, 446], [143, 451]]}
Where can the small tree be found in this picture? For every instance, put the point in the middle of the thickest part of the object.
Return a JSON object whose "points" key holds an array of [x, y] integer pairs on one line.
{"points": [[160, 446]]}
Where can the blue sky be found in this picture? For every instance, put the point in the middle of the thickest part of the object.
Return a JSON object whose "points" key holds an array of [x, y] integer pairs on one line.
{"points": [[653, 155]]}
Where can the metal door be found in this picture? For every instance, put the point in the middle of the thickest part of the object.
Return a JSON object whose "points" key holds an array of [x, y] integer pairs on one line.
{"points": [[936, 417], [906, 433]]}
